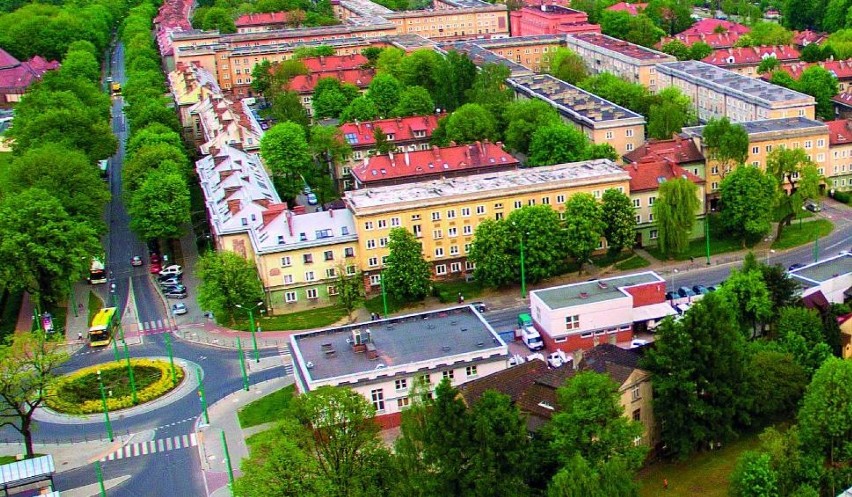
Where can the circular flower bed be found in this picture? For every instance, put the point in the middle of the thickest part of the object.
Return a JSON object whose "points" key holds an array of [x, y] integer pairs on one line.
{"points": [[79, 393]]}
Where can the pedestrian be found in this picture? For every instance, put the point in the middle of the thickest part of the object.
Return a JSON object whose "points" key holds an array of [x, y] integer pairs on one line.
{"points": [[80, 307], [665, 483], [79, 337]]}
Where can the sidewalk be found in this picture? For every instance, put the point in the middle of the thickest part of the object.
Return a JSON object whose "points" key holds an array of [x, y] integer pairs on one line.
{"points": [[223, 419]]}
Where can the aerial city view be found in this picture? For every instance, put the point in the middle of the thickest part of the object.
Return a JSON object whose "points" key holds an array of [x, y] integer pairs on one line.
{"points": [[426, 248]]}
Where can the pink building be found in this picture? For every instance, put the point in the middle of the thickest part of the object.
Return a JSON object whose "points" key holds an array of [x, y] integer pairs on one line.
{"points": [[17, 76], [550, 20]]}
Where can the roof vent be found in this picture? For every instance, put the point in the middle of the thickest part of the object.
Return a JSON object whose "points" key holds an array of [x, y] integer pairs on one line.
{"points": [[380, 366], [602, 285], [584, 295], [480, 344], [310, 365]]}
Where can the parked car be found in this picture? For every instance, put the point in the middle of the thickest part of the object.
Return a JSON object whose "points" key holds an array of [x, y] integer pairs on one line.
{"points": [[700, 290], [173, 288], [178, 309], [312, 199], [175, 294], [155, 258], [812, 206], [479, 306], [136, 261], [164, 277], [672, 296], [557, 359], [638, 342], [174, 269], [174, 280], [795, 266], [154, 267], [685, 291], [712, 288]]}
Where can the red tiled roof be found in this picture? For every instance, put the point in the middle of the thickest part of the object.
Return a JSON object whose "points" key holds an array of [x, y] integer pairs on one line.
{"points": [[678, 150], [842, 69], [433, 161], [334, 62], [806, 37], [173, 16], [261, 19], [361, 134], [648, 173], [306, 83], [631, 8], [715, 40], [750, 55], [18, 76], [708, 26], [840, 132], [843, 99], [6, 60]]}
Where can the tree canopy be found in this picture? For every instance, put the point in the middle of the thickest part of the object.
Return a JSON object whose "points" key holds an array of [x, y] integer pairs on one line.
{"points": [[227, 280], [407, 275], [674, 211], [748, 197]]}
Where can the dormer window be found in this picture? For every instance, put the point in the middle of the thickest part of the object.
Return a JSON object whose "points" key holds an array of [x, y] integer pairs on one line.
{"points": [[303, 237], [244, 221], [344, 230], [390, 136], [280, 239]]}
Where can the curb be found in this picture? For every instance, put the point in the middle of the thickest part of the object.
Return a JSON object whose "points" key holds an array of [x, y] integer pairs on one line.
{"points": [[114, 447]]}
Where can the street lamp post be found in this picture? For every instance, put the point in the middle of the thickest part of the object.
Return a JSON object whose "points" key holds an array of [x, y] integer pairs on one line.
{"points": [[106, 410], [674, 275], [130, 374], [114, 297], [252, 328], [384, 293]]}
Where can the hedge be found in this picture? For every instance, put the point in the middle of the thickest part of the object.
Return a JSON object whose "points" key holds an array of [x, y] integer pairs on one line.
{"points": [[153, 391]]}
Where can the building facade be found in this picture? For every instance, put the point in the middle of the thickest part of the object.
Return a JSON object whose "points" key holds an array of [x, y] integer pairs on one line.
{"points": [[386, 360], [745, 60], [218, 122], [600, 120], [443, 214], [717, 92], [838, 171], [190, 84], [532, 52], [550, 19], [628, 61]]}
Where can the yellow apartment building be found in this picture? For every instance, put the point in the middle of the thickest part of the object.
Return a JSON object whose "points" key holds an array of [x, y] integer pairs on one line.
{"points": [[838, 173], [600, 120], [765, 136], [532, 52], [628, 61], [717, 92], [444, 214]]}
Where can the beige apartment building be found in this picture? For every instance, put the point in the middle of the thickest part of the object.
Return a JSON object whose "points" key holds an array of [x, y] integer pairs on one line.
{"points": [[600, 120], [765, 136], [717, 92], [839, 170], [628, 61], [444, 214]]}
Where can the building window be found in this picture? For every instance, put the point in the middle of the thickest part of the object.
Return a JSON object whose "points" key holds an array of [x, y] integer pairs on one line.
{"points": [[348, 252], [628, 133], [290, 297], [454, 249], [373, 261], [368, 225], [629, 147], [285, 261], [714, 170], [328, 255], [637, 203], [375, 279], [531, 201], [450, 374], [638, 219], [653, 234], [330, 272], [467, 229], [572, 322], [609, 135], [518, 204], [437, 234], [635, 394], [470, 371], [451, 214], [394, 222], [308, 258], [288, 279], [403, 403], [311, 293], [425, 380], [383, 241], [820, 143], [436, 216], [417, 230], [560, 199], [498, 206], [441, 269], [465, 212], [378, 398], [455, 267], [401, 384], [331, 289], [371, 244], [808, 144], [309, 276], [453, 232], [480, 209], [714, 185], [439, 252], [755, 150], [350, 270], [637, 415], [651, 201], [545, 200]]}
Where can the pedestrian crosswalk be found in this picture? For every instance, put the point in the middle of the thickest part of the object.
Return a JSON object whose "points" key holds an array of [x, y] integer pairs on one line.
{"points": [[153, 327], [153, 447]]}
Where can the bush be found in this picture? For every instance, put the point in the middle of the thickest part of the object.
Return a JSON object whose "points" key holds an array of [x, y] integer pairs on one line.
{"points": [[63, 396], [844, 197]]}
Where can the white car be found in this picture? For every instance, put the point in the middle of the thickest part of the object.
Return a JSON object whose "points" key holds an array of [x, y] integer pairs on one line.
{"points": [[173, 270], [178, 309]]}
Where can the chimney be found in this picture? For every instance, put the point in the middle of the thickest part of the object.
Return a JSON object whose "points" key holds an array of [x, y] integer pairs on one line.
{"points": [[635, 165], [358, 126], [436, 152], [290, 222], [269, 215], [407, 159]]}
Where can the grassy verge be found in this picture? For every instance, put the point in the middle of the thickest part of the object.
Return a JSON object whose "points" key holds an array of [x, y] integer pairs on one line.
{"points": [[260, 437], [778, 214], [375, 304], [720, 242], [267, 408], [635, 262], [704, 474], [796, 235], [303, 320], [448, 291]]}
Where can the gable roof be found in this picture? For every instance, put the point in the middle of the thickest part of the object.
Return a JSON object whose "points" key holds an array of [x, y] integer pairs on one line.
{"points": [[839, 132], [709, 26], [649, 172], [6, 60], [842, 69], [513, 382], [631, 8], [360, 134], [16, 76], [751, 55], [677, 150], [305, 83]]}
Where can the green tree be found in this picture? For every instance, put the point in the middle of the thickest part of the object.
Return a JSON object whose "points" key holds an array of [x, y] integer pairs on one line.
{"points": [[350, 290], [406, 274], [220, 19], [725, 143], [490, 91], [285, 151], [776, 382], [153, 134], [557, 143], [748, 196], [748, 297], [383, 145], [360, 109], [420, 68], [29, 364], [676, 48], [227, 280], [816, 53], [699, 50], [566, 65], [328, 148], [544, 246], [799, 14], [414, 101], [783, 290], [456, 76], [81, 64], [835, 18], [768, 64], [584, 226], [785, 165], [578, 478], [618, 214], [147, 112], [494, 252], [470, 123], [68, 174], [765, 34], [160, 208], [524, 117], [670, 15], [630, 95], [698, 372], [385, 91], [675, 209], [800, 332], [674, 111], [331, 97], [822, 85], [150, 157], [261, 77], [753, 476], [42, 246], [287, 107], [825, 420], [389, 61]]}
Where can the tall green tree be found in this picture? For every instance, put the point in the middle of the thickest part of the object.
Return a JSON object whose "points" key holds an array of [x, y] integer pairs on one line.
{"points": [[725, 143], [776, 382], [800, 332], [470, 123], [227, 280], [786, 165], [768, 65], [151, 135], [677, 48], [81, 64], [524, 117], [823, 86], [360, 109], [698, 367], [456, 74], [578, 478], [584, 226], [385, 91], [669, 15], [414, 101], [406, 274], [747, 295], [674, 111], [675, 210], [753, 476], [350, 290], [558, 143], [566, 65], [160, 208], [330, 97], [748, 196], [286, 153], [489, 90], [765, 34], [618, 215], [149, 158]]}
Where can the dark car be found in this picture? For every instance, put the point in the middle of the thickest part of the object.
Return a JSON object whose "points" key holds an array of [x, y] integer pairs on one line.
{"points": [[685, 291], [174, 288], [174, 280], [795, 266], [164, 277], [479, 306], [700, 290], [176, 295], [712, 288], [672, 296]]}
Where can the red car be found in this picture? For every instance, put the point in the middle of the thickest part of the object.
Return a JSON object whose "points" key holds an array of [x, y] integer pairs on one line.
{"points": [[155, 267]]}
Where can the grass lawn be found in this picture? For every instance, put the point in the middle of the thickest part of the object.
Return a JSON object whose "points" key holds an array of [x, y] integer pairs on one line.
{"points": [[303, 320], [448, 291], [375, 304], [778, 213], [267, 408], [116, 381], [634, 262], [705, 474], [795, 235], [260, 437]]}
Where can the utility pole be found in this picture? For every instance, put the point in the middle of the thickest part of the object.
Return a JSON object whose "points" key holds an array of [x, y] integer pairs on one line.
{"points": [[242, 364], [130, 374], [202, 397], [707, 235], [106, 410], [252, 328], [384, 293], [228, 463], [100, 478], [168, 340]]}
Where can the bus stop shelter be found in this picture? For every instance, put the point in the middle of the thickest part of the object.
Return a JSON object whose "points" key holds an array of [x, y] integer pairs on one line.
{"points": [[26, 472]]}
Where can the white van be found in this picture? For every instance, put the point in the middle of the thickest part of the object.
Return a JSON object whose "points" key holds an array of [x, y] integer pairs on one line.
{"points": [[531, 338]]}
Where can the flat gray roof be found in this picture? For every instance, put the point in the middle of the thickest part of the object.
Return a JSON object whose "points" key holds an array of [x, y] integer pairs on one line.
{"points": [[771, 126], [822, 271], [587, 292], [398, 341], [723, 80], [481, 56]]}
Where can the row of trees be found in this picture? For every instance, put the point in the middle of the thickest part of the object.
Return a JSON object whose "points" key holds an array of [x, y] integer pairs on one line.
{"points": [[220, 14], [155, 175], [328, 444], [815, 81]]}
